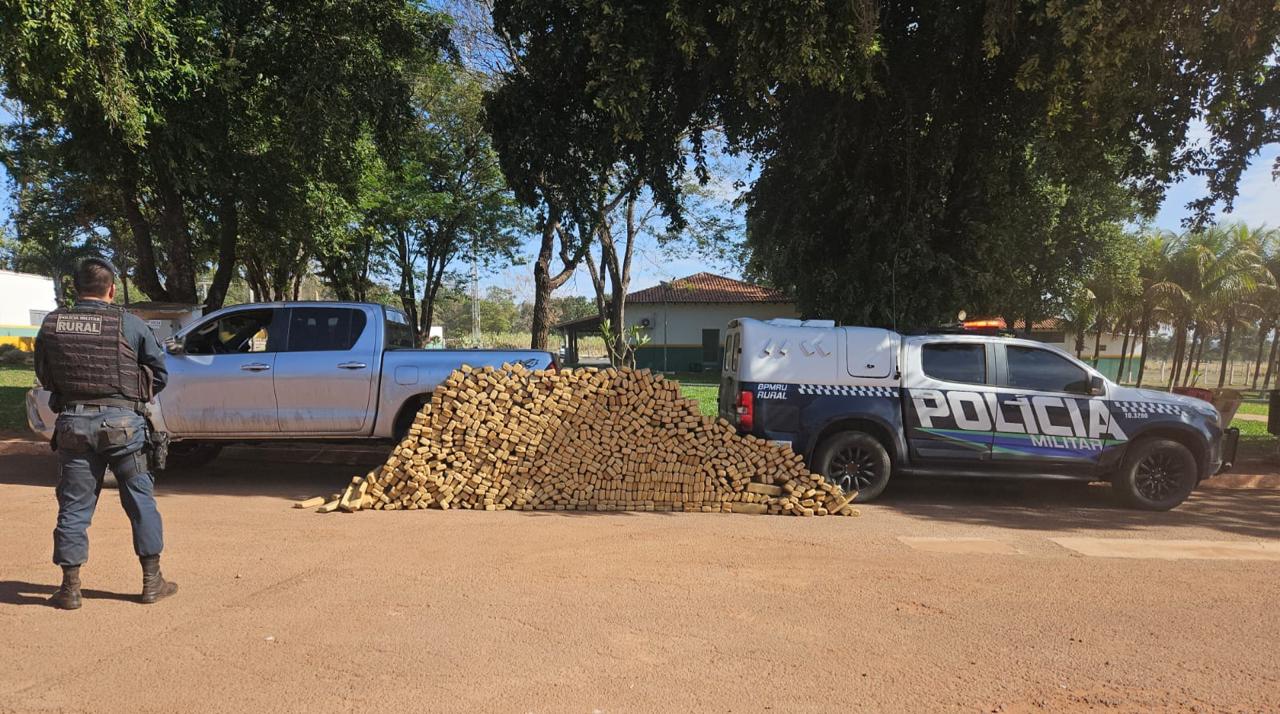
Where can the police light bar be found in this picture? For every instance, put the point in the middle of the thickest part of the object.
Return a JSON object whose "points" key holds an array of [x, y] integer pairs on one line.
{"points": [[995, 323]]}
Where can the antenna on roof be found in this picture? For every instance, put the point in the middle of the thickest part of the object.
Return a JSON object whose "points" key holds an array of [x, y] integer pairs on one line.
{"points": [[893, 291]]}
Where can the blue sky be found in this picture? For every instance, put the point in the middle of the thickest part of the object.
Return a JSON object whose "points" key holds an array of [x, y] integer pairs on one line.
{"points": [[1257, 204]]}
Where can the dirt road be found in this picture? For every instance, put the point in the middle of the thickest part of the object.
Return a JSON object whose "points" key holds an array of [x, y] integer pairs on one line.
{"points": [[945, 596]]}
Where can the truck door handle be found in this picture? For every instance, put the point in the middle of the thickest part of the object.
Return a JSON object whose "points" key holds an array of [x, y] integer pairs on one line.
{"points": [[352, 365], [255, 367]]}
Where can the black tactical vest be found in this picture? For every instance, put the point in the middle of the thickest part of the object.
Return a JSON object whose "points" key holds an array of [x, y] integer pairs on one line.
{"points": [[88, 358]]}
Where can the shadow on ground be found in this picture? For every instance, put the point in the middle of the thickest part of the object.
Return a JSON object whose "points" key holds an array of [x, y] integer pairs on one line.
{"points": [[294, 472], [299, 471], [1068, 506], [291, 472], [15, 592]]}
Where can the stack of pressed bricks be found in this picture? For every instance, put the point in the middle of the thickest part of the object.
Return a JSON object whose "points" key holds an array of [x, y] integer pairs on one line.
{"points": [[584, 439]]}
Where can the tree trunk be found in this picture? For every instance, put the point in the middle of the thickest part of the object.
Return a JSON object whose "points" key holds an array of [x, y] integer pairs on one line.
{"points": [[1097, 344], [180, 277], [1271, 359], [544, 281], [1179, 351], [1124, 350], [543, 285], [1191, 374], [228, 237], [408, 290], [1226, 353], [436, 265], [145, 274], [1188, 357], [1263, 329], [1143, 329]]}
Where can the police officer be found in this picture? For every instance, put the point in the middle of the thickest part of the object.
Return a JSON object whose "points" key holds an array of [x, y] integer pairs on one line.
{"points": [[102, 365]]}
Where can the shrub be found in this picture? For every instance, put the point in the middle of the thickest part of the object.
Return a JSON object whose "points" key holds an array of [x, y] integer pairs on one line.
{"points": [[11, 356]]}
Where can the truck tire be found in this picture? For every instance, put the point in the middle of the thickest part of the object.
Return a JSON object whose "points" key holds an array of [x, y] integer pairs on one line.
{"points": [[191, 454], [404, 420], [854, 461], [1157, 475]]}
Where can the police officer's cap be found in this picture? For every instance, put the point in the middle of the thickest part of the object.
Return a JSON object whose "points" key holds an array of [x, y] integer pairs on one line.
{"points": [[103, 262]]}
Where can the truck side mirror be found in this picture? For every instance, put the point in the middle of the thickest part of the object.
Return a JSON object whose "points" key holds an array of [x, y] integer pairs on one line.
{"points": [[1097, 387]]}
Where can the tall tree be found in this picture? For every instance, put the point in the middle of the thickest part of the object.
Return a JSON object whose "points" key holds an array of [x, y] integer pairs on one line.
{"points": [[442, 197], [891, 135], [202, 118]]}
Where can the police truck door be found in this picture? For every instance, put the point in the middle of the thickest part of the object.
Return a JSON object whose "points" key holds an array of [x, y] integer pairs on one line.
{"points": [[948, 384], [1047, 413]]}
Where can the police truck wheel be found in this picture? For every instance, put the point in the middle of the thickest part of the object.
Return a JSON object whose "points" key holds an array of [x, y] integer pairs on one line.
{"points": [[191, 454], [1158, 474], [854, 461]]}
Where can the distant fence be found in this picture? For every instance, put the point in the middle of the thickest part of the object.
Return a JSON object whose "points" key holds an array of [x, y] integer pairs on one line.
{"points": [[1158, 371]]}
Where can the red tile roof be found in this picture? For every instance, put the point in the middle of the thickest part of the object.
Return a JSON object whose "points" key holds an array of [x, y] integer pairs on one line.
{"points": [[707, 288], [1052, 324]]}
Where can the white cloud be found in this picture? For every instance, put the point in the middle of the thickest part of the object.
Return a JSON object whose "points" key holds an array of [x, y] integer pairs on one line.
{"points": [[1258, 202], [1259, 199]]}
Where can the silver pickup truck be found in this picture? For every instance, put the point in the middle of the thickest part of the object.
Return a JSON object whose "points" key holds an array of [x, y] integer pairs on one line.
{"points": [[295, 370]]}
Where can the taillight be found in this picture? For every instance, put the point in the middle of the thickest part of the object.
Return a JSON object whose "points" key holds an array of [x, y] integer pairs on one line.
{"points": [[746, 411]]}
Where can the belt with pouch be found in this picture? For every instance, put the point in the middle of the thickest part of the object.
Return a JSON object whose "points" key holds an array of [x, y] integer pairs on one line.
{"points": [[139, 408]]}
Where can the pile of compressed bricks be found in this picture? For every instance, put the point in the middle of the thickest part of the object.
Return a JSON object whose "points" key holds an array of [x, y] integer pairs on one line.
{"points": [[595, 440]]}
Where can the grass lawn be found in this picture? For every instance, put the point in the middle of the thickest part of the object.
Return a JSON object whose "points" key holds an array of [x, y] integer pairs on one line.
{"points": [[1253, 408], [14, 383], [703, 387], [705, 394]]}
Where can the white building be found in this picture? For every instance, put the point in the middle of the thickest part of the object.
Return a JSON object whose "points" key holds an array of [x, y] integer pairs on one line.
{"points": [[24, 301], [685, 320]]}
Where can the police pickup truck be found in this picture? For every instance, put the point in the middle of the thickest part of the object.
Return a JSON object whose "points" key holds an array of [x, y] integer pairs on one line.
{"points": [[865, 404]]}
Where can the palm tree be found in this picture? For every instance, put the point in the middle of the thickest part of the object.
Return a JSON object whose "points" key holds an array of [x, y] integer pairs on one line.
{"points": [[1239, 304], [1161, 296], [1210, 272], [1268, 299]]}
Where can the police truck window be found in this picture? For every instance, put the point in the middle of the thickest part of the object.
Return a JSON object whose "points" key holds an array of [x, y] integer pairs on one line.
{"points": [[956, 362], [1042, 370]]}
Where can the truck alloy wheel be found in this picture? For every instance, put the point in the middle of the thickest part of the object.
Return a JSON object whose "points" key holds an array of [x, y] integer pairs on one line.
{"points": [[856, 462], [1157, 475]]}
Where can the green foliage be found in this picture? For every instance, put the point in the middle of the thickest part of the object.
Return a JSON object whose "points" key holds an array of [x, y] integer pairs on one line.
{"points": [[203, 127], [14, 383], [945, 145], [621, 343], [438, 196]]}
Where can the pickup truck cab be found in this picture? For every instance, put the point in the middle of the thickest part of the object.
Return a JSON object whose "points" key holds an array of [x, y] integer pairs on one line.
{"points": [[863, 405], [291, 370]]}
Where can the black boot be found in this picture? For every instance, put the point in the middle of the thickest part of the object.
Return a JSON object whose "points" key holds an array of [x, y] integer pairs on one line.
{"points": [[154, 586], [67, 596]]}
